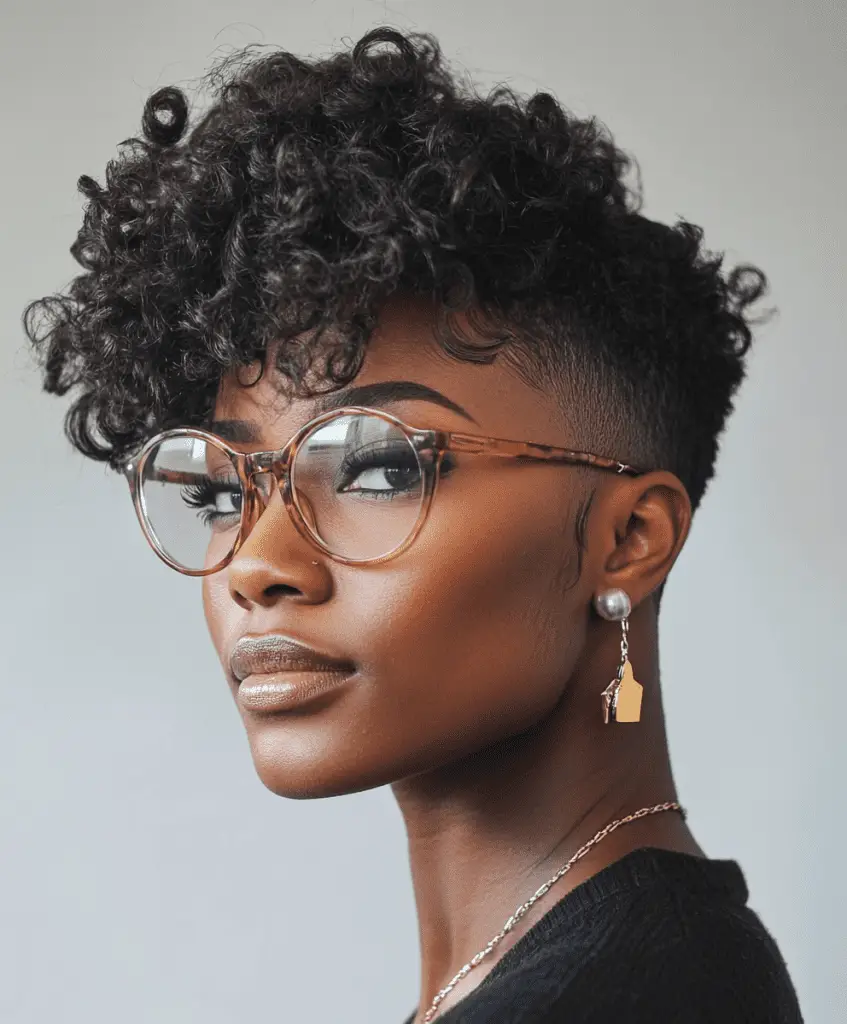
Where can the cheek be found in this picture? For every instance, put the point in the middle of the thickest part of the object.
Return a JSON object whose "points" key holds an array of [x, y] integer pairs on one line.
{"points": [[473, 635], [219, 609]]}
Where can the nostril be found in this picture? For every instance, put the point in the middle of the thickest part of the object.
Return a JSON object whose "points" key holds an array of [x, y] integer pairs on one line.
{"points": [[281, 590]]}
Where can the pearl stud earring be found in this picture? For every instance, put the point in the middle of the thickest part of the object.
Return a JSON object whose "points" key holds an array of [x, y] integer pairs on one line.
{"points": [[613, 605]]}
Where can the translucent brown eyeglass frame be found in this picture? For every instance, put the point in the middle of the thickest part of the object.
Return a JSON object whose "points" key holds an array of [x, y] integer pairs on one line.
{"points": [[429, 445]]}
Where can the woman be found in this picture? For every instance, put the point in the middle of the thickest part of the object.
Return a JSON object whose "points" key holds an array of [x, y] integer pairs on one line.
{"points": [[402, 373]]}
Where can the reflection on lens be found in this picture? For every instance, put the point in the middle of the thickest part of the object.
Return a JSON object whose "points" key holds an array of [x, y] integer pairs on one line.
{"points": [[358, 484], [192, 500]]}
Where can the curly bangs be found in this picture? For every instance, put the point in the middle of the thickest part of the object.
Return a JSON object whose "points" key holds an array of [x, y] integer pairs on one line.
{"points": [[309, 191]]}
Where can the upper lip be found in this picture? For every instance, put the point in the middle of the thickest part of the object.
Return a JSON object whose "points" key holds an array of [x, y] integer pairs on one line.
{"points": [[273, 652]]}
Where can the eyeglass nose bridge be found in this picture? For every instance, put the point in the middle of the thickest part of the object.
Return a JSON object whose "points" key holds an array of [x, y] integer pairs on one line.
{"points": [[277, 463], [268, 472], [261, 483]]}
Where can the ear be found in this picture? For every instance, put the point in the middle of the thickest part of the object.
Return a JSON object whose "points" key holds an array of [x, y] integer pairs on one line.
{"points": [[635, 531]]}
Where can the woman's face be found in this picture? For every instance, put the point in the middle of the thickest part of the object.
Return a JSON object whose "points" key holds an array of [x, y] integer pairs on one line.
{"points": [[468, 637]]}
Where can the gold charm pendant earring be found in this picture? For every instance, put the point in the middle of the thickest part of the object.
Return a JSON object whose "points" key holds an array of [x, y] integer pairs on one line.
{"points": [[622, 697]]}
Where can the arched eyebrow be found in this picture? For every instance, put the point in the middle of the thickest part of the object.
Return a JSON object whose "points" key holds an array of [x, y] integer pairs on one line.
{"points": [[376, 395], [234, 431], [384, 392]]}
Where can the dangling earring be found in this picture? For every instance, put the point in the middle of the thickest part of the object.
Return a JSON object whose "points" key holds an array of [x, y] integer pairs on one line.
{"points": [[622, 697]]}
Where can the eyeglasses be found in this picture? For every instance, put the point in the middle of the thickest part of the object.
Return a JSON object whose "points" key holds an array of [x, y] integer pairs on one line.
{"points": [[358, 484]]}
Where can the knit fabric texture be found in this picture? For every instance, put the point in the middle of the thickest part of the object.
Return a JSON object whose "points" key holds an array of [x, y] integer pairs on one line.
{"points": [[657, 937]]}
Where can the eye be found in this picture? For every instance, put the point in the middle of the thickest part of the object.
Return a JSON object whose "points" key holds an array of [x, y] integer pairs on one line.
{"points": [[380, 472], [218, 502]]}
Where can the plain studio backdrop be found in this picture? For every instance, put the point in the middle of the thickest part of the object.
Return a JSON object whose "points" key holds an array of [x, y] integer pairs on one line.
{"points": [[146, 875]]}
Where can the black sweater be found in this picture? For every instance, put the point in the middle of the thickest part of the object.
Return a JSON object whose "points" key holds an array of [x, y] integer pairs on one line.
{"points": [[657, 937]]}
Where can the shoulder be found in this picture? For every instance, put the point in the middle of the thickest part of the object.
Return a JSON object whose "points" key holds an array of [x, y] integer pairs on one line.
{"points": [[673, 956]]}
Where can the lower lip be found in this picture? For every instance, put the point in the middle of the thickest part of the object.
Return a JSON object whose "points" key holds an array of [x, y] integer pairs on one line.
{"points": [[280, 691]]}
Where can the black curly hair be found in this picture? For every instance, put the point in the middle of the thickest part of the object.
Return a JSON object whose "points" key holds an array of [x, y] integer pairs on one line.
{"points": [[308, 192]]}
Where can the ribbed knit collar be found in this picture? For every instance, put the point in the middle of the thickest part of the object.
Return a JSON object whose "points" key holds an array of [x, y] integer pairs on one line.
{"points": [[717, 879]]}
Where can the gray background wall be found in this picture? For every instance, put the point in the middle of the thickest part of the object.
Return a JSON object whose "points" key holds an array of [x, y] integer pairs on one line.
{"points": [[145, 873]]}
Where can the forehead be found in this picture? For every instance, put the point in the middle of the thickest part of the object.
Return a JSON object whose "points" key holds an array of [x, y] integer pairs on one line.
{"points": [[403, 347]]}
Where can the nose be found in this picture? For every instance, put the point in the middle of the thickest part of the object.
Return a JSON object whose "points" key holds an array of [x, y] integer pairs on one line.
{"points": [[275, 561]]}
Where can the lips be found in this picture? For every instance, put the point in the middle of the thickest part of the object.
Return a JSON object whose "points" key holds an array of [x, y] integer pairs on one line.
{"points": [[274, 653]]}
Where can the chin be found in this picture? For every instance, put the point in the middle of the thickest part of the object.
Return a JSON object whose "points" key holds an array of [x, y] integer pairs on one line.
{"points": [[306, 764]]}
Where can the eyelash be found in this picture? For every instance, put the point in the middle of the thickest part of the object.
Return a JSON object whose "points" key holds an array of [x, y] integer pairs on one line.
{"points": [[204, 493]]}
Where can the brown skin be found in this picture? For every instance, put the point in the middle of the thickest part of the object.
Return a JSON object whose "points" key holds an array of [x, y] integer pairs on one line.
{"points": [[479, 659]]}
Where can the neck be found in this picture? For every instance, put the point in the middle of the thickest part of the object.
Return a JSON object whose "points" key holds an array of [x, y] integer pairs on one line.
{"points": [[483, 834]]}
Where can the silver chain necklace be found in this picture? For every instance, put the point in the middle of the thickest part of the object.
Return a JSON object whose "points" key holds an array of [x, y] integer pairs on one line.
{"points": [[671, 805]]}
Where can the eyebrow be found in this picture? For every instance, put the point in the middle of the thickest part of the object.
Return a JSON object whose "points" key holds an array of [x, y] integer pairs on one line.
{"points": [[375, 395]]}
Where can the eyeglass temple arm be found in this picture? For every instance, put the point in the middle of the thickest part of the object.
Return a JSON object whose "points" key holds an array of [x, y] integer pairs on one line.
{"points": [[165, 476], [472, 444]]}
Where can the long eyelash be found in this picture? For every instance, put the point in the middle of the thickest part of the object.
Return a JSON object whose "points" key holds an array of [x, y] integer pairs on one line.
{"points": [[365, 458], [199, 495]]}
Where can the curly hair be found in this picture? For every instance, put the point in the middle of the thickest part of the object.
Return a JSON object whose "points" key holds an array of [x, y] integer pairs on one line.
{"points": [[308, 192]]}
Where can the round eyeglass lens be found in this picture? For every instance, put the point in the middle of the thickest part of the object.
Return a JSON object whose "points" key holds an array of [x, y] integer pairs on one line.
{"points": [[191, 498], [358, 483]]}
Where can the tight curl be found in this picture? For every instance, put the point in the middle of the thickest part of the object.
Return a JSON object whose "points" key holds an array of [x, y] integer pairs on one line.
{"points": [[308, 192]]}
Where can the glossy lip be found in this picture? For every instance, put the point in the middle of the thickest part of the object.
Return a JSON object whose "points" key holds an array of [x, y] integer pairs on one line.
{"points": [[272, 672], [273, 653], [284, 690]]}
